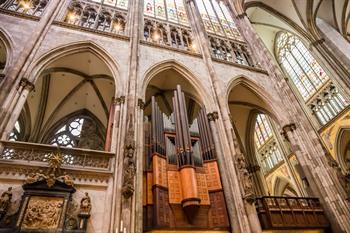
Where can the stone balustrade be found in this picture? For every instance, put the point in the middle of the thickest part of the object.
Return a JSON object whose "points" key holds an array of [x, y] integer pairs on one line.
{"points": [[72, 157]]}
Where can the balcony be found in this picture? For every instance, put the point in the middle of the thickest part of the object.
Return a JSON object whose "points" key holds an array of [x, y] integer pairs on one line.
{"points": [[25, 153], [283, 213]]}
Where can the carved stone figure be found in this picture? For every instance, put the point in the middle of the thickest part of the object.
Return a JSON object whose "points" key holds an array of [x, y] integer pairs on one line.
{"points": [[71, 224], [5, 201], [129, 173], [85, 205], [246, 178], [129, 164], [67, 179]]}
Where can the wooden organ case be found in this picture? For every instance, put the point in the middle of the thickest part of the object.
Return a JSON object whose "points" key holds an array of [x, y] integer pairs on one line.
{"points": [[182, 186]]}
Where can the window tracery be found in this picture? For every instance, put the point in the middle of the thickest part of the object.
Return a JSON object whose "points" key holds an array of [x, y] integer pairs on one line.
{"points": [[80, 132], [168, 10], [166, 34], [217, 19], [29, 7], [16, 133], [266, 144], [312, 82], [98, 15]]}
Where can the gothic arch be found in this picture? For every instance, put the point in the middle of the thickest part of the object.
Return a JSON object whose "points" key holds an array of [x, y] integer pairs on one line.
{"points": [[49, 133], [278, 15], [78, 47], [201, 97], [280, 184], [342, 142], [274, 110], [6, 40]]}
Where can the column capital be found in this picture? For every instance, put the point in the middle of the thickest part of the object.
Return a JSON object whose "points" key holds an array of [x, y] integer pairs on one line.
{"points": [[241, 16], [213, 116], [141, 104], [119, 100], [317, 42], [26, 84]]}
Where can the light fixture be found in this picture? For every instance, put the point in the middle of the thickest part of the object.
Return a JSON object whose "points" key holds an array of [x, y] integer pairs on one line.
{"points": [[72, 16], [156, 36], [117, 27], [193, 46], [25, 4]]}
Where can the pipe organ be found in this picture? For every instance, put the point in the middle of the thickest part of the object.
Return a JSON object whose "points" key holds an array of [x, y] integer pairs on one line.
{"points": [[182, 186]]}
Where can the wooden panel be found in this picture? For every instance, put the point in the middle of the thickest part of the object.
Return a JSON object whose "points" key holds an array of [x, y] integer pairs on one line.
{"points": [[161, 207], [175, 190], [149, 188], [213, 176], [217, 212], [144, 189], [159, 171], [202, 189]]}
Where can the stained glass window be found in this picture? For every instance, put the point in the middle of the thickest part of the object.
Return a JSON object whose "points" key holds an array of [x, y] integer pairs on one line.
{"points": [[171, 10], [68, 135], [265, 143], [309, 78], [16, 132], [123, 4], [217, 18]]}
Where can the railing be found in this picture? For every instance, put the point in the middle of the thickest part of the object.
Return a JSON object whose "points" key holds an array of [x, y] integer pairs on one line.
{"points": [[93, 16], [33, 152], [167, 34], [290, 213], [230, 51], [28, 7]]}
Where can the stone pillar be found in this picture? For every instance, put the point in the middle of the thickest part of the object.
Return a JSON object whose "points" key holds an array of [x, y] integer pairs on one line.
{"points": [[14, 110], [319, 177], [17, 72], [240, 221], [335, 41]]}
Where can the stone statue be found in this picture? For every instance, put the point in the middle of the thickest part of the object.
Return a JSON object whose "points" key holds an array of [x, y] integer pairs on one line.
{"points": [[129, 164], [85, 205], [246, 178], [5, 201]]}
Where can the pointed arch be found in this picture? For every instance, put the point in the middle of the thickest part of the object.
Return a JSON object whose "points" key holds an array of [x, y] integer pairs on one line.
{"points": [[280, 184], [82, 113], [184, 72], [275, 111], [6, 39], [342, 134], [78, 47]]}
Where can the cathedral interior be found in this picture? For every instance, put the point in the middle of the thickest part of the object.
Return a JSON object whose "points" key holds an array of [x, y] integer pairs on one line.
{"points": [[174, 116]]}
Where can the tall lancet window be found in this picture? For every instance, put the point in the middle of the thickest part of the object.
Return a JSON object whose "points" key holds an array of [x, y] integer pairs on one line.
{"points": [[225, 40], [266, 144], [166, 23], [217, 18], [101, 15], [310, 79], [170, 10]]}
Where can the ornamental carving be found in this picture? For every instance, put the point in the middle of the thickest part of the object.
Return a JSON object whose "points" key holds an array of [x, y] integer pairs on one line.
{"points": [[52, 174], [5, 201], [344, 179], [85, 205], [129, 163], [70, 157], [246, 179], [43, 213]]}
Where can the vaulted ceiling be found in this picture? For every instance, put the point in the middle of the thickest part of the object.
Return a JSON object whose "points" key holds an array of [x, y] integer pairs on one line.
{"points": [[298, 16]]}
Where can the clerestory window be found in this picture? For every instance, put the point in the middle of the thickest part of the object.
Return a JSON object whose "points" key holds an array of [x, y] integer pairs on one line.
{"points": [[311, 81]]}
